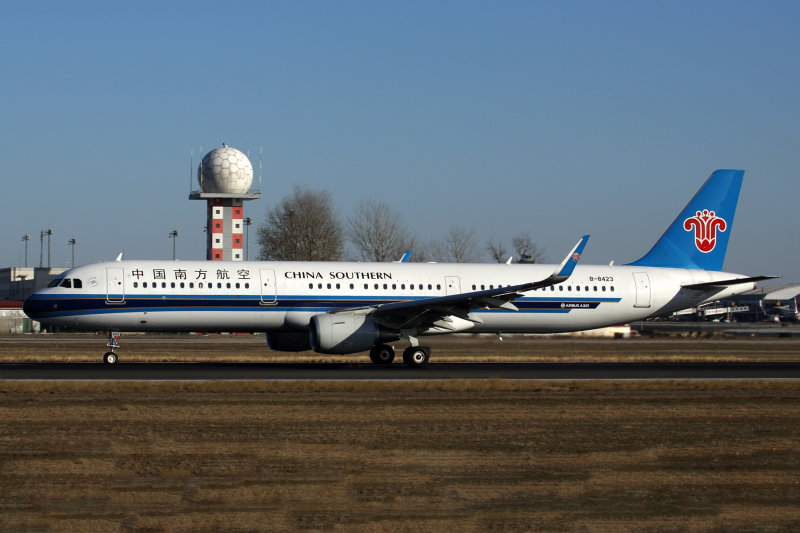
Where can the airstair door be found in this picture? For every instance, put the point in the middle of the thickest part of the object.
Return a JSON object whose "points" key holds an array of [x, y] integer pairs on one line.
{"points": [[642, 282], [452, 284], [269, 290], [115, 287]]}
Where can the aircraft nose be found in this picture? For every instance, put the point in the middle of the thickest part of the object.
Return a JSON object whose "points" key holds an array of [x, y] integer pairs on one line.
{"points": [[31, 306]]}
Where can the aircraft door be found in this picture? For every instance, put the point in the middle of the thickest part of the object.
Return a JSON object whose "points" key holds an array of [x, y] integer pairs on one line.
{"points": [[453, 284], [115, 287], [269, 289], [642, 282]]}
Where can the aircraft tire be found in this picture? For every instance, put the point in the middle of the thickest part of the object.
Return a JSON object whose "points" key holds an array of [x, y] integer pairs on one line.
{"points": [[382, 354], [110, 358], [416, 356]]}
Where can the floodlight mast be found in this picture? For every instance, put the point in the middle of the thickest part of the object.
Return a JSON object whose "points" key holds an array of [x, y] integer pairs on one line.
{"points": [[25, 239], [72, 242], [174, 236]]}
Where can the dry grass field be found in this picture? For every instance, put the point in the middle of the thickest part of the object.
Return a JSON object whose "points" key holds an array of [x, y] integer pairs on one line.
{"points": [[433, 456]]}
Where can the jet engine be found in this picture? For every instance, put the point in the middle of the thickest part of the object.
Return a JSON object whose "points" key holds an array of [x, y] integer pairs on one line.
{"points": [[341, 333], [288, 341]]}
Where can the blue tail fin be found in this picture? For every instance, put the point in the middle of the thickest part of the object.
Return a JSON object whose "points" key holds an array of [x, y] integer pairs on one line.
{"points": [[698, 238]]}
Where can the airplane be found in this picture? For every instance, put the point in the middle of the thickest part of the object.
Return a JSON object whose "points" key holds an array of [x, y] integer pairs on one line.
{"points": [[350, 307]]}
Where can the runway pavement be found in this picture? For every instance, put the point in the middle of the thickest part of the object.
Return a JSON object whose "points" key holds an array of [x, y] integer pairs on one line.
{"points": [[397, 371]]}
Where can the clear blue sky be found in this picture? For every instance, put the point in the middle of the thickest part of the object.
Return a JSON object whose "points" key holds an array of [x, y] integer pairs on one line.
{"points": [[555, 118]]}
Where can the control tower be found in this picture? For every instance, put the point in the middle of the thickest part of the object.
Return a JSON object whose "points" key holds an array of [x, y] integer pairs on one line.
{"points": [[225, 176]]}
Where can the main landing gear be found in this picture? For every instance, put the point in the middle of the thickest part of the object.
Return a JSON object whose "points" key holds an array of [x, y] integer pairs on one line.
{"points": [[413, 356], [110, 357]]}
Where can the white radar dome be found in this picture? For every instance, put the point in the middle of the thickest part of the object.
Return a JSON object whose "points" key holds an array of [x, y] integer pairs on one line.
{"points": [[225, 170]]}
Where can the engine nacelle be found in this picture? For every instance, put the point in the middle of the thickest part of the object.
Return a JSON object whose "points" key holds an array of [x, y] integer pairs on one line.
{"points": [[341, 333], [288, 341]]}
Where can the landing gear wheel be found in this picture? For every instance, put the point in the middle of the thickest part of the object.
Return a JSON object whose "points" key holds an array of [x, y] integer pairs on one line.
{"points": [[416, 356], [382, 354], [110, 358]]}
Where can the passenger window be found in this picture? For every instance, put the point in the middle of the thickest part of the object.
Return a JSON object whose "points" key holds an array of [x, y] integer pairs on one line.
{"points": [[182, 285], [144, 285], [319, 285], [561, 288], [578, 288], [438, 286], [227, 285], [403, 286], [135, 284], [310, 285], [172, 285], [337, 285], [385, 286], [412, 286], [569, 288], [199, 285], [329, 285], [163, 284], [394, 286], [352, 286], [246, 285], [430, 287], [612, 288], [219, 285], [366, 286], [376, 286], [237, 285]]}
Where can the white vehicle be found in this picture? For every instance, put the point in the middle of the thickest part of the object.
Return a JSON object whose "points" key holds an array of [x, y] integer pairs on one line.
{"points": [[342, 308]]}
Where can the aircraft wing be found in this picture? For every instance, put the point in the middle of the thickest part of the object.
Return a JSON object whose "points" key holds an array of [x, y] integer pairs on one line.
{"points": [[434, 312]]}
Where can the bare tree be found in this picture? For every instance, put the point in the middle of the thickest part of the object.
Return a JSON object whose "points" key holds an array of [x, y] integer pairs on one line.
{"points": [[497, 250], [527, 251], [429, 251], [460, 246], [378, 232], [302, 227]]}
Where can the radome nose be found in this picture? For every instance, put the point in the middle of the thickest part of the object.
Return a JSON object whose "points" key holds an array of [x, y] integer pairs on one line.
{"points": [[29, 306]]}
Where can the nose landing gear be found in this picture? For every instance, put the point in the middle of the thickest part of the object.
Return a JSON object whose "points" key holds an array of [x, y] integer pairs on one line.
{"points": [[110, 357]]}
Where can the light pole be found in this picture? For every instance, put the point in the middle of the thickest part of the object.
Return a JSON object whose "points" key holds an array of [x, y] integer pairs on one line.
{"points": [[72, 242], [49, 234], [247, 223], [174, 236], [41, 249], [25, 239]]}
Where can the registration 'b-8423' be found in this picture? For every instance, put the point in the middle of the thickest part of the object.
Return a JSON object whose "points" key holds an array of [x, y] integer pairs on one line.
{"points": [[342, 308]]}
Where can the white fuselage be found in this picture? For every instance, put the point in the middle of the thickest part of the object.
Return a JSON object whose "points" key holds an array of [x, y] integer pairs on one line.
{"points": [[283, 296]]}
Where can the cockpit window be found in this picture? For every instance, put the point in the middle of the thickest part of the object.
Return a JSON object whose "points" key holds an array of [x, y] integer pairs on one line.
{"points": [[67, 283], [77, 284], [55, 282]]}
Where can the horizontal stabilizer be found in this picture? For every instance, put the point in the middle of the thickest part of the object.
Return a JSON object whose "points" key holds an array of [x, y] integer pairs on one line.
{"points": [[726, 282]]}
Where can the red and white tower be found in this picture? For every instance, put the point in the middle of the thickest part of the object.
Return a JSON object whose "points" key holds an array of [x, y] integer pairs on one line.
{"points": [[225, 176]]}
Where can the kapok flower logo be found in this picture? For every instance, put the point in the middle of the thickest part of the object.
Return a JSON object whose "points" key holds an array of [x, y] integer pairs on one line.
{"points": [[705, 225]]}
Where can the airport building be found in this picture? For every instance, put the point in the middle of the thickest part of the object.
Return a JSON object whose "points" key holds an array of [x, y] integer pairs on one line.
{"points": [[16, 284], [225, 176], [776, 303]]}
